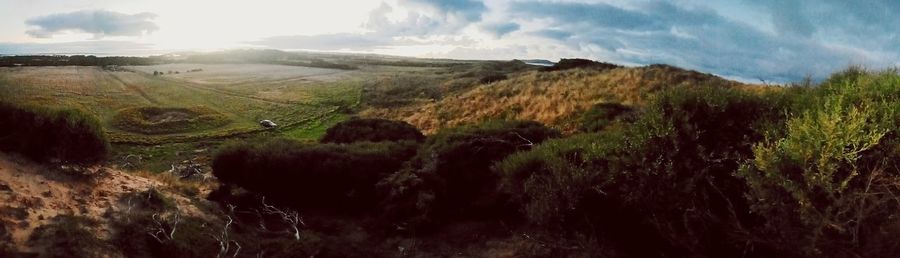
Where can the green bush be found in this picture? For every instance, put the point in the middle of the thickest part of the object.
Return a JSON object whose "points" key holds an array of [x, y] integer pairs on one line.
{"points": [[826, 185], [551, 181], [566, 64], [68, 236], [372, 130], [45, 135], [193, 236], [451, 175], [677, 164], [328, 176], [602, 115]]}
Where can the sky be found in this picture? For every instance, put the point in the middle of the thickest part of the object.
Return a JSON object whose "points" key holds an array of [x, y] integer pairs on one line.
{"points": [[751, 40]]}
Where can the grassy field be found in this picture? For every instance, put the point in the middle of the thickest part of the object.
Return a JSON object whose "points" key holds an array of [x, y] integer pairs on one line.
{"points": [[176, 113], [157, 115]]}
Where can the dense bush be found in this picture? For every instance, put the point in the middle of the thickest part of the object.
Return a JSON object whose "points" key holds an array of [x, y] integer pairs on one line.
{"points": [[68, 236], [372, 130], [44, 135], [677, 164], [827, 186], [551, 181], [565, 64], [602, 115], [134, 234], [491, 78], [451, 175], [336, 177], [670, 173]]}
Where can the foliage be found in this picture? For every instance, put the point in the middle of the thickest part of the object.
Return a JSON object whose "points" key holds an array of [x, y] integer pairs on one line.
{"points": [[602, 115], [80, 60], [68, 236], [491, 78], [335, 177], [565, 64], [372, 130], [550, 181], [827, 185], [45, 134], [450, 177], [192, 236], [677, 162]]}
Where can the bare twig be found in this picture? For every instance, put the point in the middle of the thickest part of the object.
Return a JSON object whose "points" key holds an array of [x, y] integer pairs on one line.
{"points": [[224, 242], [290, 217], [528, 143], [164, 230]]}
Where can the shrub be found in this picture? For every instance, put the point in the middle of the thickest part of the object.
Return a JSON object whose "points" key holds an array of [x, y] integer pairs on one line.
{"points": [[451, 175], [329, 176], [565, 64], [68, 236], [193, 236], [551, 181], [677, 162], [151, 199], [824, 186], [373, 130], [44, 135], [491, 78], [602, 115]]}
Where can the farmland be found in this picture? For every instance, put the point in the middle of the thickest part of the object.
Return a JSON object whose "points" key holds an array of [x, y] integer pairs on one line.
{"points": [[175, 112]]}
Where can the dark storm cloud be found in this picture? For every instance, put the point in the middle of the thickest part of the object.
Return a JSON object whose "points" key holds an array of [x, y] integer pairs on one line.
{"points": [[98, 22]]}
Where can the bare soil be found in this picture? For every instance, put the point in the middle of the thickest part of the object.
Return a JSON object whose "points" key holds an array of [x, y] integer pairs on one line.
{"points": [[31, 195]]}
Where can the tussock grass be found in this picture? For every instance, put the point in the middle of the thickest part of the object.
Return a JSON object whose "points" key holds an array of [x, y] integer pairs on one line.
{"points": [[553, 98]]}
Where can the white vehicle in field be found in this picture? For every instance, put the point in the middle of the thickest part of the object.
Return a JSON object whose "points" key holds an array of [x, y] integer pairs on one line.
{"points": [[267, 124]]}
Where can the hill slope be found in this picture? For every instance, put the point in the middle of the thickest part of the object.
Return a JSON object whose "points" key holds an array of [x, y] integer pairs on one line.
{"points": [[32, 196], [554, 98]]}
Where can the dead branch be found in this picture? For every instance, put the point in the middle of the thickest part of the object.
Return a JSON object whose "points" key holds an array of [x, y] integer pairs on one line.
{"points": [[225, 243], [164, 229], [528, 143], [288, 216]]}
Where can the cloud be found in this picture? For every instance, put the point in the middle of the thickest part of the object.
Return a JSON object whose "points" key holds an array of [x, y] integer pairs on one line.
{"points": [[695, 37], [426, 22], [788, 19], [500, 29], [468, 10], [100, 23], [342, 41], [553, 34]]}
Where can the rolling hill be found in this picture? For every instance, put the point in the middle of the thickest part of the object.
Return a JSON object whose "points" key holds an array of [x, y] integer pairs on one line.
{"points": [[555, 98]]}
